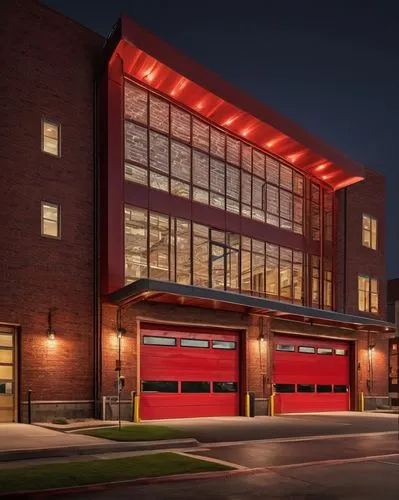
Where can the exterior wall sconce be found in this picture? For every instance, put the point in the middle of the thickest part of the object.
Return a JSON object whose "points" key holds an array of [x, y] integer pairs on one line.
{"points": [[371, 348], [120, 332], [50, 330], [261, 337]]}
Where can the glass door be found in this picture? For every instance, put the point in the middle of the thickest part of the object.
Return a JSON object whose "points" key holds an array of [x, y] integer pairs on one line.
{"points": [[7, 375]]}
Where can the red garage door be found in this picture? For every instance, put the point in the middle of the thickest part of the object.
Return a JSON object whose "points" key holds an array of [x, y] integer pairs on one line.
{"points": [[188, 373], [310, 374]]}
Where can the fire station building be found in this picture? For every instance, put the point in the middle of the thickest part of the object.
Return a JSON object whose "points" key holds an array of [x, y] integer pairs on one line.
{"points": [[162, 226]]}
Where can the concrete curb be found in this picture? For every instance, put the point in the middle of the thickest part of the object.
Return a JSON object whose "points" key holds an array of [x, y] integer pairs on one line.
{"points": [[130, 482], [95, 449]]}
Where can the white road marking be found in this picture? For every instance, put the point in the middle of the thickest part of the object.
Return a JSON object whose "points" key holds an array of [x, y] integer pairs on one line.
{"points": [[215, 460]]}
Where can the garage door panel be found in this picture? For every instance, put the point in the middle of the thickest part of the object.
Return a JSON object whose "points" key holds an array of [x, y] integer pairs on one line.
{"points": [[295, 372], [184, 363]]}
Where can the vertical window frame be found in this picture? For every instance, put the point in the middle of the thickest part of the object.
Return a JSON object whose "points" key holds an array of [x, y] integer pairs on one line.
{"points": [[371, 232], [46, 121], [43, 219], [366, 293]]}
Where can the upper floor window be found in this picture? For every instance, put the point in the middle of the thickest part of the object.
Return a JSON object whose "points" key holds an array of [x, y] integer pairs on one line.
{"points": [[51, 220], [51, 138], [367, 294], [369, 231], [168, 149]]}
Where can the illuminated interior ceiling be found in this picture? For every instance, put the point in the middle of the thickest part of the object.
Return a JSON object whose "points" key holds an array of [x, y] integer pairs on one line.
{"points": [[158, 65]]}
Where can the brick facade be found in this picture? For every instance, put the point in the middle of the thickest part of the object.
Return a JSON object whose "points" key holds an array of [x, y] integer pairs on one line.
{"points": [[352, 258], [48, 71]]}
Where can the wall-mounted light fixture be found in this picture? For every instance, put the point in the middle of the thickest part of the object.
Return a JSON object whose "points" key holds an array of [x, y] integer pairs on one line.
{"points": [[261, 337], [50, 330], [371, 348], [120, 332]]}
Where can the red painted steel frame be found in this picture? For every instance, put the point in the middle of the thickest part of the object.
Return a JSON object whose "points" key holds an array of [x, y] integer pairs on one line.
{"points": [[301, 368], [176, 363], [162, 67]]}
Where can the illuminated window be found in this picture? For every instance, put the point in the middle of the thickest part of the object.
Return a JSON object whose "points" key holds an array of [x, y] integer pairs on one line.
{"points": [[51, 138], [51, 220], [327, 291], [136, 103], [168, 248], [369, 232], [315, 281], [159, 246], [135, 244], [315, 212], [167, 148], [328, 216], [367, 294]]}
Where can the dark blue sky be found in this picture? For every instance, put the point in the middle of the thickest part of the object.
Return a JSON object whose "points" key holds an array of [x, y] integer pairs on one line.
{"points": [[331, 66]]}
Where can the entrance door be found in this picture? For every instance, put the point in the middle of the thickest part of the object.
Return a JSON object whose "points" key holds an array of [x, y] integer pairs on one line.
{"points": [[7, 374]]}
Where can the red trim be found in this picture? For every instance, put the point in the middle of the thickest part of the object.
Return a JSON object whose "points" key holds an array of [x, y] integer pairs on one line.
{"points": [[204, 92]]}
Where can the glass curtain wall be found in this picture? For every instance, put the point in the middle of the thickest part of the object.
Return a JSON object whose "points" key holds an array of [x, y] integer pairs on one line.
{"points": [[168, 248], [168, 149]]}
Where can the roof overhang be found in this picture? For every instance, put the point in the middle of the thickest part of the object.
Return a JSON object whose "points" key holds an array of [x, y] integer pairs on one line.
{"points": [[187, 295], [156, 64]]}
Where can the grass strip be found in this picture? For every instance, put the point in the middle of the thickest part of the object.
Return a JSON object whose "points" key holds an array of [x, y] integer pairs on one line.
{"points": [[136, 432], [67, 474]]}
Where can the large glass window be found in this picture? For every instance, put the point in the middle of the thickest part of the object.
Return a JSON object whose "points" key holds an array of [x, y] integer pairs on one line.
{"points": [[167, 148], [159, 246], [369, 231], [168, 248], [136, 232], [367, 294], [200, 255]]}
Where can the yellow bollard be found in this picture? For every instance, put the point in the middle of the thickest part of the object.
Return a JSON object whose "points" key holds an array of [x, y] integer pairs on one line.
{"points": [[271, 406], [247, 405], [362, 401], [136, 415]]}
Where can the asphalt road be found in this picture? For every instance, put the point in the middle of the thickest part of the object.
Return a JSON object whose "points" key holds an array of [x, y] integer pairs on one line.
{"points": [[365, 467], [218, 430]]}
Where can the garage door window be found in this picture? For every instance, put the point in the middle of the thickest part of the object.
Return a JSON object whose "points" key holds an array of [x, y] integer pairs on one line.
{"points": [[305, 387], [159, 340], [194, 343], [324, 350], [159, 386], [340, 388], [306, 349], [284, 387], [196, 387], [223, 344], [285, 347], [324, 388], [224, 387], [341, 352]]}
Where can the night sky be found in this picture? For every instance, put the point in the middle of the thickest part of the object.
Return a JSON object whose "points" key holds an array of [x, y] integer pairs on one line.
{"points": [[333, 67]]}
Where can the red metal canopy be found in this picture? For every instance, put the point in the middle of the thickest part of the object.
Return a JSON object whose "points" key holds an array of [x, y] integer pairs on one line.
{"points": [[158, 65]]}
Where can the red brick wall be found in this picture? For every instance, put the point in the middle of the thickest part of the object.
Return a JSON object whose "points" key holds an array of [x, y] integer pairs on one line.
{"points": [[366, 197], [47, 69]]}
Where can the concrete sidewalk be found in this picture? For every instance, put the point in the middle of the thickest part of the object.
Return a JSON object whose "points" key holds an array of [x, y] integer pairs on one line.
{"points": [[23, 442]]}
